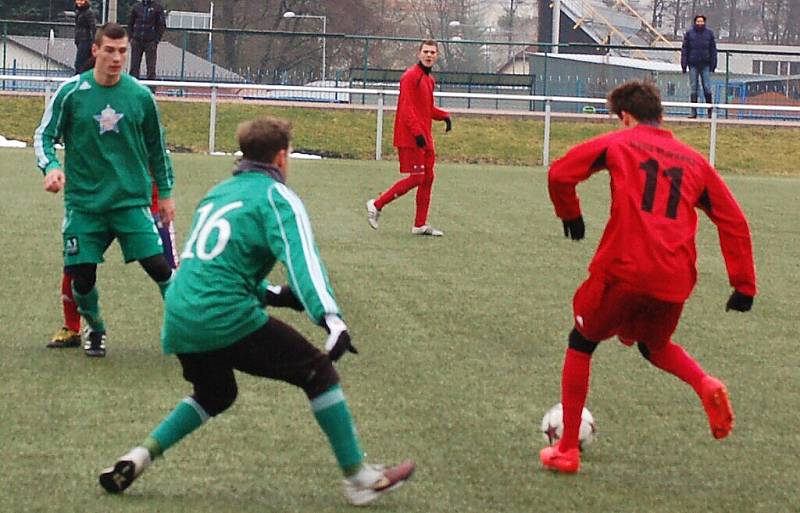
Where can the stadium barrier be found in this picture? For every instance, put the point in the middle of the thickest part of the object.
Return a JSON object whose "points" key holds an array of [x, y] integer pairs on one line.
{"points": [[380, 106]]}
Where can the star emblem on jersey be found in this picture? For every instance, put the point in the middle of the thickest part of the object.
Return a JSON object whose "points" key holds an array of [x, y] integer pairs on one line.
{"points": [[108, 119]]}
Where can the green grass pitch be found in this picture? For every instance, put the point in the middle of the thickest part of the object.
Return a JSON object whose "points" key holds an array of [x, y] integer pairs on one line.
{"points": [[461, 342]]}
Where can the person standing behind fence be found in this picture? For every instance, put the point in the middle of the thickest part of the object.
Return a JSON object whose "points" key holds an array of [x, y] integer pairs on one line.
{"points": [[414, 140], [699, 55], [85, 27], [146, 25]]}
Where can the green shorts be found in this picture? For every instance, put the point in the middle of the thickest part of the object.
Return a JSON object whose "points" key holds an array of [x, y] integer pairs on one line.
{"points": [[87, 235]]}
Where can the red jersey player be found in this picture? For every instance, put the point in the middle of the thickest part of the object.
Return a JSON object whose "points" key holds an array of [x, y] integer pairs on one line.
{"points": [[414, 140], [645, 266], [69, 334]]}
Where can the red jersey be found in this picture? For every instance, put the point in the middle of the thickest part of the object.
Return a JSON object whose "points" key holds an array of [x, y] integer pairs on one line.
{"points": [[415, 109], [656, 184]]}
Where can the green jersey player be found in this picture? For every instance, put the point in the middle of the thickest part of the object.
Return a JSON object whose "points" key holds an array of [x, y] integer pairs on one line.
{"points": [[214, 318], [112, 135]]}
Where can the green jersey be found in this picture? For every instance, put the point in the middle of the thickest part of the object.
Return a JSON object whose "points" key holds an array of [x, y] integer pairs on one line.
{"points": [[113, 138], [240, 230]]}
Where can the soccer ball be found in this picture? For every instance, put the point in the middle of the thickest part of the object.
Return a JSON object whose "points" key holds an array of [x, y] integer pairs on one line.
{"points": [[553, 426]]}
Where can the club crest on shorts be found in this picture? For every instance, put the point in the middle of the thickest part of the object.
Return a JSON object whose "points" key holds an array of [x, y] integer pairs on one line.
{"points": [[108, 119], [71, 247]]}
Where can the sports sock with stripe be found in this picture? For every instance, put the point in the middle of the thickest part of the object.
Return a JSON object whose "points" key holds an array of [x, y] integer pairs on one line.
{"points": [[187, 416], [89, 308], [333, 416]]}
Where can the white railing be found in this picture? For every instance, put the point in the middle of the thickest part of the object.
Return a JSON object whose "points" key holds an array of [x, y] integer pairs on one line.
{"points": [[382, 93]]}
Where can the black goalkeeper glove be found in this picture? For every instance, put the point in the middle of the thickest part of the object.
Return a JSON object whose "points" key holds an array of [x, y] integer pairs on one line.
{"points": [[448, 124], [283, 297], [338, 338], [739, 302], [420, 141], [574, 228]]}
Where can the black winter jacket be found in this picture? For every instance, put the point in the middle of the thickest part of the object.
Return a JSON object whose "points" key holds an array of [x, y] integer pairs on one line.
{"points": [[147, 21], [85, 23], [699, 49]]}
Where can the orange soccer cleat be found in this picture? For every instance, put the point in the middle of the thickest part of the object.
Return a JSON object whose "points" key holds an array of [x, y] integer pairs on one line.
{"points": [[567, 462], [718, 407]]}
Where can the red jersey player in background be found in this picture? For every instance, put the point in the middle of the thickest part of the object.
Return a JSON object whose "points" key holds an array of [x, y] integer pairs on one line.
{"points": [[414, 140], [645, 266], [70, 334]]}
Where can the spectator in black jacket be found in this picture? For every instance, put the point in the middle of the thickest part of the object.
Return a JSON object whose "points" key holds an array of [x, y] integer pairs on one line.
{"points": [[85, 27], [146, 25], [699, 54]]}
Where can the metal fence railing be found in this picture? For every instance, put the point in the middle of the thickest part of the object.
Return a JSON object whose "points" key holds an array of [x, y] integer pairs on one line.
{"points": [[295, 58], [380, 96]]}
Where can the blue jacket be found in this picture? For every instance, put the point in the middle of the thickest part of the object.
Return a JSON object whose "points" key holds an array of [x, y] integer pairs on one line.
{"points": [[699, 49]]}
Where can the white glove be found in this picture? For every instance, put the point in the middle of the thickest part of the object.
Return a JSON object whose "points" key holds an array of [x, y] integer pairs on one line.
{"points": [[338, 338]]}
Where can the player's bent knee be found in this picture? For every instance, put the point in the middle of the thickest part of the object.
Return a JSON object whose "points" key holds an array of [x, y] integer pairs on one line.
{"points": [[321, 379], [84, 276], [580, 343], [217, 402], [156, 267]]}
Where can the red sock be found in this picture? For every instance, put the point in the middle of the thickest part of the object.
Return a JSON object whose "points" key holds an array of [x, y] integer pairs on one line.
{"points": [[674, 359], [574, 388], [398, 189], [423, 202], [72, 319]]}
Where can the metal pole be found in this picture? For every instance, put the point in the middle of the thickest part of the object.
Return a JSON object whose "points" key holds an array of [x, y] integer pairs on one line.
{"points": [[50, 38], [5, 37], [183, 54], [546, 146], [210, 34], [212, 123], [324, 42], [544, 75], [366, 64], [556, 25], [103, 16], [183, 58], [112, 11], [727, 78], [379, 129], [712, 144]]}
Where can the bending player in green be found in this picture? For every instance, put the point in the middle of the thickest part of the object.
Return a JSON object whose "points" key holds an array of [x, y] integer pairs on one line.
{"points": [[214, 318], [112, 137]]}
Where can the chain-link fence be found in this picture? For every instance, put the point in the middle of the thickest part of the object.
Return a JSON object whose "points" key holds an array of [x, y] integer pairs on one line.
{"points": [[493, 65]]}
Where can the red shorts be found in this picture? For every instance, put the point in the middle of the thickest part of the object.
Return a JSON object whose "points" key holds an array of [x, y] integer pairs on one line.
{"points": [[603, 309], [416, 160]]}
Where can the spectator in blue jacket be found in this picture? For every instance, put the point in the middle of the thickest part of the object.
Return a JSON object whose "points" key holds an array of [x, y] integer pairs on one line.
{"points": [[146, 26], [699, 55]]}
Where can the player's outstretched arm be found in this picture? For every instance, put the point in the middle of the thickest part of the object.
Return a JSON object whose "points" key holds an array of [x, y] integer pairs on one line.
{"points": [[291, 240], [566, 173], [721, 207], [50, 129]]}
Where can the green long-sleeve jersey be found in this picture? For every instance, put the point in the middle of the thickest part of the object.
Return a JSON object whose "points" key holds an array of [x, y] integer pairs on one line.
{"points": [[112, 137], [240, 230]]}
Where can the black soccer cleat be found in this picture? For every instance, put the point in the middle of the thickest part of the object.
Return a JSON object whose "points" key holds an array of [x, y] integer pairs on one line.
{"points": [[94, 343], [118, 478]]}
